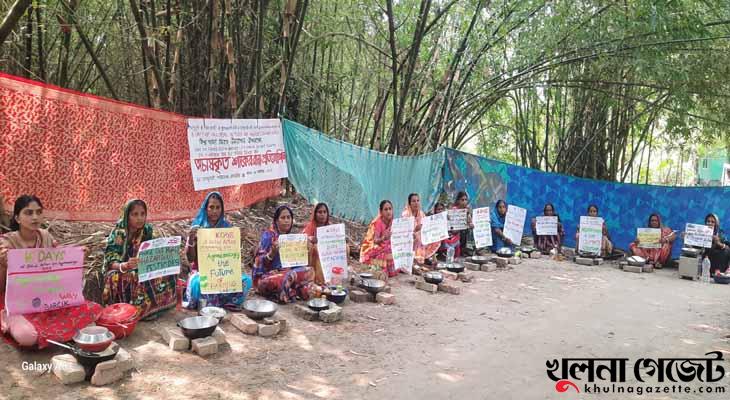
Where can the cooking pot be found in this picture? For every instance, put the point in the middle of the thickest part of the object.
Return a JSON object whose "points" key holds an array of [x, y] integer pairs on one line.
{"points": [[455, 267], [721, 279], [373, 286], [434, 277], [337, 296], [93, 339], [318, 304], [636, 261], [505, 252], [259, 309], [215, 312], [89, 359], [197, 327], [480, 259]]}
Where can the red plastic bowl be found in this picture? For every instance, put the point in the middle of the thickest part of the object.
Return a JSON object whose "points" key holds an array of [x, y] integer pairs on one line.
{"points": [[120, 318]]}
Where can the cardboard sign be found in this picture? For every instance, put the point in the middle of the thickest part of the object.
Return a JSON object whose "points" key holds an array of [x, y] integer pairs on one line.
{"points": [[698, 235], [547, 226], [159, 257], [219, 260], [591, 235], [401, 243], [458, 219], [649, 238], [44, 279], [332, 249], [514, 224], [293, 250], [482, 227], [434, 228]]}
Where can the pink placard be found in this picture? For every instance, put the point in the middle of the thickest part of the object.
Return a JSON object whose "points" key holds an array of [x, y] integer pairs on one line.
{"points": [[44, 279]]}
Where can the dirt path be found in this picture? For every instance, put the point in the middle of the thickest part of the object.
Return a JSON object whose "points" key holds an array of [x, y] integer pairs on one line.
{"points": [[491, 342]]}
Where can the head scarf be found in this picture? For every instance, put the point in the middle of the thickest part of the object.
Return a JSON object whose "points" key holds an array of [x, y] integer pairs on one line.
{"points": [[117, 244], [497, 219], [311, 228], [717, 223], [277, 213], [201, 220], [648, 223]]}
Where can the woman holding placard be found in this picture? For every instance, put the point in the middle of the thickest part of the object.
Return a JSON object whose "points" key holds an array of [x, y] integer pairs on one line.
{"points": [[320, 217], [270, 279], [454, 239], [499, 215], [719, 253], [413, 209], [375, 249], [462, 203], [660, 254], [121, 283], [210, 215], [606, 244], [545, 243], [35, 329]]}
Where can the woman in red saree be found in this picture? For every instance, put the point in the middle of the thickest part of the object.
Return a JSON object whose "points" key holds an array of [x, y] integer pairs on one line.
{"points": [[320, 217], [375, 249], [660, 256], [413, 209], [35, 329]]}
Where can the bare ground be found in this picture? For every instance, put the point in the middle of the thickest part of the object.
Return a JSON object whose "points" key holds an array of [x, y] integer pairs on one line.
{"points": [[490, 342]]}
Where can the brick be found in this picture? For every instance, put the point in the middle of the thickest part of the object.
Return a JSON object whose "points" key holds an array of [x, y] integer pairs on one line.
{"points": [[515, 260], [501, 262], [568, 252], [429, 287], [466, 276], [174, 338], [622, 264], [245, 324], [631, 268], [524, 255], [359, 296], [124, 360], [584, 261], [536, 254], [67, 369], [106, 373], [268, 330], [103, 366], [418, 271], [471, 266], [281, 320], [205, 346], [450, 275], [332, 314], [450, 287], [647, 268], [597, 261], [385, 298], [305, 312], [219, 336], [488, 267]]}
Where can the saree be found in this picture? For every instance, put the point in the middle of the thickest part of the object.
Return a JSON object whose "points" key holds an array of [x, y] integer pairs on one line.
{"points": [[150, 297], [659, 256], [606, 244], [546, 243], [311, 231], [719, 257], [37, 328], [422, 252], [378, 255], [497, 222]]}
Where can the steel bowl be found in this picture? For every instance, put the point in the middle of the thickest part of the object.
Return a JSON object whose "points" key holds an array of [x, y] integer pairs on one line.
{"points": [[480, 259], [441, 266], [93, 338], [259, 309], [366, 275], [434, 277], [373, 285], [636, 261], [337, 296], [198, 327], [455, 267], [318, 304], [215, 312], [505, 252]]}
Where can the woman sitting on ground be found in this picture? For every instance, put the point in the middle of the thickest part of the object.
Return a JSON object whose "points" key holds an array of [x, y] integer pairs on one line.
{"points": [[375, 249], [454, 239], [210, 215], [270, 279], [658, 256], [546, 243], [423, 253], [35, 329], [719, 253], [461, 203], [320, 218], [498, 216], [606, 244], [121, 283]]}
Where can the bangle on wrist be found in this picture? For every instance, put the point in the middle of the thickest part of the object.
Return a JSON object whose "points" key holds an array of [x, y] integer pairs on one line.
{"points": [[121, 267]]}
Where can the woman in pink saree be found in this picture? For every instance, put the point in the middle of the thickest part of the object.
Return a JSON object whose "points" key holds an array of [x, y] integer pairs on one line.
{"points": [[413, 209]]}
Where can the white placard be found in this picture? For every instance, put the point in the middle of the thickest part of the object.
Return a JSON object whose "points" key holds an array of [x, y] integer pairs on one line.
{"points": [[514, 224], [591, 235], [227, 152], [293, 250], [332, 249], [458, 219], [482, 227], [401, 243], [698, 235], [159, 257], [435, 228], [547, 226], [649, 238]]}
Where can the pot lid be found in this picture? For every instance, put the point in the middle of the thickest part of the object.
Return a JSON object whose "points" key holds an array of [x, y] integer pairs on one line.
{"points": [[117, 313]]}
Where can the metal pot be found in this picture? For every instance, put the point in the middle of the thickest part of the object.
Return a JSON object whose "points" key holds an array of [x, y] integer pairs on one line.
{"points": [[215, 312], [455, 267], [89, 359], [505, 252], [690, 252], [93, 339], [373, 286], [480, 259], [259, 309], [337, 296], [318, 304], [636, 261], [198, 327], [721, 279], [434, 277]]}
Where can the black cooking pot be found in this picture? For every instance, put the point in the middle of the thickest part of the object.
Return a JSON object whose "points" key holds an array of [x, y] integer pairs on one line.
{"points": [[434, 277], [337, 296], [89, 359], [198, 327], [373, 286], [455, 267]]}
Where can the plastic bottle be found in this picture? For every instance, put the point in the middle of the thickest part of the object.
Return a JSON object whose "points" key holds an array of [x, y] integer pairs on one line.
{"points": [[450, 255], [706, 270]]}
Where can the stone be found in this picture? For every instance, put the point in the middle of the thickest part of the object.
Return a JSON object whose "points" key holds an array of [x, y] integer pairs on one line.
{"points": [[205, 346], [568, 252], [330, 315], [535, 254], [385, 298], [429, 287], [269, 330], [305, 312], [501, 262], [219, 336], [386, 289], [597, 261], [67, 369], [466, 276], [488, 267], [524, 255], [584, 261], [450, 275], [245, 324], [174, 338], [281, 320], [106, 373], [515, 260], [450, 287], [631, 268], [471, 266], [647, 268], [359, 296], [124, 360]]}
